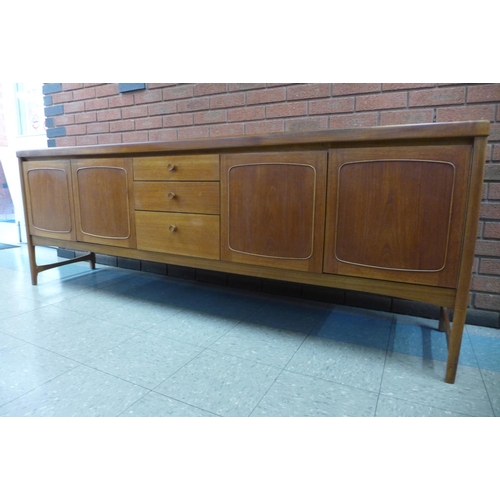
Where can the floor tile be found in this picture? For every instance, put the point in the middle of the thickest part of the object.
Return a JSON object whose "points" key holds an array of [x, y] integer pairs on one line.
{"points": [[260, 343], [12, 305], [86, 340], [157, 405], [41, 322], [492, 383], [9, 342], [341, 362], [291, 315], [230, 305], [16, 259], [367, 328], [221, 384], [194, 327], [393, 407], [483, 331], [51, 284], [130, 286], [146, 360], [93, 303], [25, 367], [209, 350], [101, 277], [139, 314], [421, 381], [294, 395], [420, 340], [81, 392], [174, 293], [46, 293], [487, 351]]}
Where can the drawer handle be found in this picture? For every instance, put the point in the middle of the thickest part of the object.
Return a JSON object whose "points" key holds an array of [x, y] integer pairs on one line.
{"points": [[172, 228], [171, 196], [172, 167]]}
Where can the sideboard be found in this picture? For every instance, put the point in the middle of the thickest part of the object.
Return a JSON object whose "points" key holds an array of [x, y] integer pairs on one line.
{"points": [[388, 210]]}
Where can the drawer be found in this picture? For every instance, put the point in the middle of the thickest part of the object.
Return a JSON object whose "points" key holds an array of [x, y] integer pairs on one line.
{"points": [[191, 197], [179, 234], [177, 168]]}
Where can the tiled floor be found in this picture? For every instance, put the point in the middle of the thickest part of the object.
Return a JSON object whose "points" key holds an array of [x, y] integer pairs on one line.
{"points": [[114, 342]]}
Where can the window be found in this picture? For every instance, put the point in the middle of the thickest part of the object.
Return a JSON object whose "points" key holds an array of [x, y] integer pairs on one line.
{"points": [[30, 109]]}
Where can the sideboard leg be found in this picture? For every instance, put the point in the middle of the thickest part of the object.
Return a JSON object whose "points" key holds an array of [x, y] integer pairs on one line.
{"points": [[444, 323], [36, 269], [32, 258], [454, 344]]}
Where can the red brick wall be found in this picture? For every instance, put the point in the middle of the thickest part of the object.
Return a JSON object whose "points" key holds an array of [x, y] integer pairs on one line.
{"points": [[95, 113]]}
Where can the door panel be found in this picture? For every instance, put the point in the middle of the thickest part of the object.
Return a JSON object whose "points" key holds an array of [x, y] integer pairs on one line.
{"points": [[49, 199], [394, 213], [273, 209], [104, 201]]}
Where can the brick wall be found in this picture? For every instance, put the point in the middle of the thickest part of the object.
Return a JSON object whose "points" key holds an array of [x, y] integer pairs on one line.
{"points": [[95, 113]]}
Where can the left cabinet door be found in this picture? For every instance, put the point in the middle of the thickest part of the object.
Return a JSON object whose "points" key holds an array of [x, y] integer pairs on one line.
{"points": [[103, 193], [49, 199]]}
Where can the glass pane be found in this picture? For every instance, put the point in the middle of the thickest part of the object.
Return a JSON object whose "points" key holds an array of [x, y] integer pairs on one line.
{"points": [[30, 109]]}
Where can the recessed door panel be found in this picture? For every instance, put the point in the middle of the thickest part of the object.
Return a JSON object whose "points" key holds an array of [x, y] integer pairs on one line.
{"points": [[394, 213], [390, 227], [103, 192], [273, 209], [49, 199]]}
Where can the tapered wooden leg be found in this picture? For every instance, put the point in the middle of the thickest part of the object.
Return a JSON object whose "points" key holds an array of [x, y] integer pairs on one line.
{"points": [[454, 344], [444, 323], [32, 258]]}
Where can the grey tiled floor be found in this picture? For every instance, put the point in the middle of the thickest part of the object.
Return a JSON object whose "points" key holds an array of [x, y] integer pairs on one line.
{"points": [[114, 342]]}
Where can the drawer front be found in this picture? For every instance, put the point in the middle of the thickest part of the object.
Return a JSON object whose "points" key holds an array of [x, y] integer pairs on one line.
{"points": [[190, 197], [177, 168], [179, 234]]}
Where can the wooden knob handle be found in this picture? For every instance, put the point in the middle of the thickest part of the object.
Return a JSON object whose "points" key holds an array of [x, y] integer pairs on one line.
{"points": [[171, 167], [171, 196], [172, 228]]}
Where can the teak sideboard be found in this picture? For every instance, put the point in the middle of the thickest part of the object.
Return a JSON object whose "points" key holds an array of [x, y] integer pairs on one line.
{"points": [[388, 210]]}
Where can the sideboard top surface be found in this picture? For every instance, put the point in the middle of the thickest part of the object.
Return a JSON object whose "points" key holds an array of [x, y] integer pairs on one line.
{"points": [[326, 138]]}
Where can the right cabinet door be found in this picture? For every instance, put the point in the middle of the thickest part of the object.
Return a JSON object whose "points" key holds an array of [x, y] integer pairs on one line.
{"points": [[397, 213]]}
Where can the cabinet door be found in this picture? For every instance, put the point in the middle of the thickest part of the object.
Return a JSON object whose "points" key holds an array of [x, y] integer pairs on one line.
{"points": [[104, 201], [273, 208], [397, 213], [49, 199]]}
